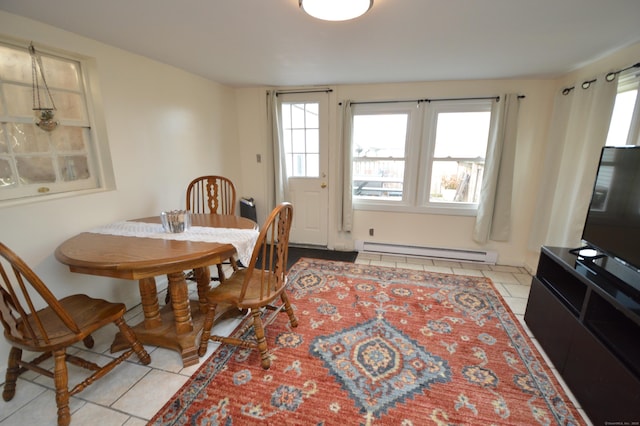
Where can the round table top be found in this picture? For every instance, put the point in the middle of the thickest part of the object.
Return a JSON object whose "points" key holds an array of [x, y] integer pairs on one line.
{"points": [[137, 257]]}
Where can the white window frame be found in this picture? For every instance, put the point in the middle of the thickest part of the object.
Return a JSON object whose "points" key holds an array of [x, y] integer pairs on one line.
{"points": [[414, 127], [419, 154], [427, 158], [98, 152]]}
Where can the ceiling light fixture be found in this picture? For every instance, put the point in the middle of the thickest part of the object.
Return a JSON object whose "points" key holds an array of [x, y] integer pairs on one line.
{"points": [[335, 10]]}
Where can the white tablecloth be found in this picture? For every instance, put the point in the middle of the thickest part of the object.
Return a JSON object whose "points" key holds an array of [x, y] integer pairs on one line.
{"points": [[242, 239]]}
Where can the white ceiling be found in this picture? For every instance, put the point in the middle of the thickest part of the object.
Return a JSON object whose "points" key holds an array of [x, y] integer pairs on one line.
{"points": [[272, 42]]}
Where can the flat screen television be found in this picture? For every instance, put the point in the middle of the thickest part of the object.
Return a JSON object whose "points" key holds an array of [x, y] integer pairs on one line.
{"points": [[612, 226]]}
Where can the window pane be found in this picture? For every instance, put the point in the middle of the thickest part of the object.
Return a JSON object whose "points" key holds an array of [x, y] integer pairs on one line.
{"points": [[73, 168], [378, 178], [378, 155], [69, 105], [621, 118], [35, 169], [16, 65], [19, 100], [61, 74], [6, 174], [456, 181], [460, 147], [462, 134], [68, 139], [379, 135], [28, 138]]}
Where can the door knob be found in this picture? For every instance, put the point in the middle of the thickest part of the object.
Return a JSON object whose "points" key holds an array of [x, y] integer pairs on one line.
{"points": [[323, 185]]}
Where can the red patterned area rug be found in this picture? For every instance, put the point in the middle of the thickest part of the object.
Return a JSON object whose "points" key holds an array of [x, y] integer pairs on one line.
{"points": [[380, 346]]}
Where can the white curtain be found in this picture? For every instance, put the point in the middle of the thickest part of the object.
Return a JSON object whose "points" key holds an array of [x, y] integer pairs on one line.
{"points": [[347, 194], [578, 132], [280, 185], [493, 220]]}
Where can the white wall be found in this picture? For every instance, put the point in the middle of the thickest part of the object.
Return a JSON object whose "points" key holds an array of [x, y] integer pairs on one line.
{"points": [[165, 127]]}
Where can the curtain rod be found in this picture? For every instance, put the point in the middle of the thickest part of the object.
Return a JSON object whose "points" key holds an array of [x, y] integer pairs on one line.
{"points": [[497, 98], [286, 92], [609, 77], [612, 75]]}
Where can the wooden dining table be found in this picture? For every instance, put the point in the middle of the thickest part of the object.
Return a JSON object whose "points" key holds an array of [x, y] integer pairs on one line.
{"points": [[177, 324]]}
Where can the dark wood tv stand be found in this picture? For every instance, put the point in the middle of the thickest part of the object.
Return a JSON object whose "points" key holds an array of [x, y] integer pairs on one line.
{"points": [[589, 326]]}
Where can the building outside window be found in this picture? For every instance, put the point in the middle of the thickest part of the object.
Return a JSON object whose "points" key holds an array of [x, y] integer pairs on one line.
{"points": [[425, 157]]}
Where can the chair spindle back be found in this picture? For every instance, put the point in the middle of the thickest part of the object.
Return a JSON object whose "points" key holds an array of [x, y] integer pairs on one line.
{"points": [[21, 293], [267, 271], [211, 194]]}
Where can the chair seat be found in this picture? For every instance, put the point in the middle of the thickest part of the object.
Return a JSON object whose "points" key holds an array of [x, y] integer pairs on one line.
{"points": [[88, 313], [229, 292]]}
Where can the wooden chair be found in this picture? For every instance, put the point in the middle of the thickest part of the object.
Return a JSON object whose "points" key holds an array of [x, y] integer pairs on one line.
{"points": [[213, 195], [52, 329], [257, 286]]}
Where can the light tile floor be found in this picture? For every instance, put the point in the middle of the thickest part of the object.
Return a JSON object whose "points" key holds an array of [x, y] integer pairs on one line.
{"points": [[133, 393]]}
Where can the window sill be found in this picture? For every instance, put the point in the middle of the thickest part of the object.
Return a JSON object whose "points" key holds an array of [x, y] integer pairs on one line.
{"points": [[448, 209]]}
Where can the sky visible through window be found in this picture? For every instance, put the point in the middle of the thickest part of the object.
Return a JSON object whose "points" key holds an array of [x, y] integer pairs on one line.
{"points": [[621, 118]]}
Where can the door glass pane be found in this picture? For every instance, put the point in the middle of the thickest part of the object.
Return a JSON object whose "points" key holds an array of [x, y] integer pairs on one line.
{"points": [[298, 165], [298, 141], [311, 116], [300, 132], [313, 162], [313, 141]]}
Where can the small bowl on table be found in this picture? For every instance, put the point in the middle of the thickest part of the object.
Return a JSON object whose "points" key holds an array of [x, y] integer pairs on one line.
{"points": [[176, 221]]}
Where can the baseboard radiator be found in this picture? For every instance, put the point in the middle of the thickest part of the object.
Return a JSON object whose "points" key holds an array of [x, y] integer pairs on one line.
{"points": [[465, 255]]}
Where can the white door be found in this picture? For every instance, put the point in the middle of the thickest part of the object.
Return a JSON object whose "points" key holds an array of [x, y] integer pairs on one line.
{"points": [[304, 120]]}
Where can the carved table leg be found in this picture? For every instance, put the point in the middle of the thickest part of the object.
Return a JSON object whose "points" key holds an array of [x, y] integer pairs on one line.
{"points": [[180, 302], [150, 306], [203, 278]]}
